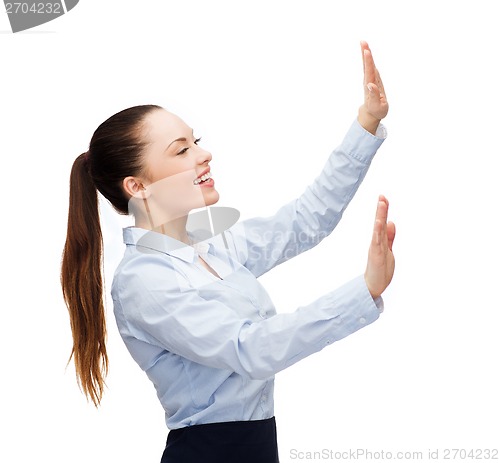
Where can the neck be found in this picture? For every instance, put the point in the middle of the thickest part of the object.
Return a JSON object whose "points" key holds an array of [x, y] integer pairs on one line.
{"points": [[175, 228]]}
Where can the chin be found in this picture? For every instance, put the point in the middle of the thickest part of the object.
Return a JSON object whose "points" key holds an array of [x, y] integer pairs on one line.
{"points": [[212, 198]]}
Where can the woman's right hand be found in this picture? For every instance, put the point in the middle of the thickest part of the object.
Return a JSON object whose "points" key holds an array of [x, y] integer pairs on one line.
{"points": [[375, 106], [380, 266]]}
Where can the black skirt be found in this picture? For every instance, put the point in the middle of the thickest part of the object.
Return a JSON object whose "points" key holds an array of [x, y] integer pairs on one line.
{"points": [[236, 441]]}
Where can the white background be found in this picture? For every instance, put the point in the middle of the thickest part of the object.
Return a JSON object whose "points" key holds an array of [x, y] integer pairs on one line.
{"points": [[271, 86]]}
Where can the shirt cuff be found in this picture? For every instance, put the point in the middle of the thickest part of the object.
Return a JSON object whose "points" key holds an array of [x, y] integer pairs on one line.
{"points": [[381, 131], [379, 302], [361, 144]]}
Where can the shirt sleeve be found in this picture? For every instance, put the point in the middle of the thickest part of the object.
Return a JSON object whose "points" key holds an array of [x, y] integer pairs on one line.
{"points": [[213, 334], [262, 243]]}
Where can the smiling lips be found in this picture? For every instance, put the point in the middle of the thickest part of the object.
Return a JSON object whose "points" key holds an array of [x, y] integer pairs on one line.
{"points": [[202, 178]]}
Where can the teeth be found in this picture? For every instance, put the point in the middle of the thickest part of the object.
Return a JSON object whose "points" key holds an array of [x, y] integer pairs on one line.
{"points": [[203, 178]]}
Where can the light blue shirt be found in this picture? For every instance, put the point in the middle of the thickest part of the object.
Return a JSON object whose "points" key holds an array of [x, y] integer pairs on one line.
{"points": [[211, 346]]}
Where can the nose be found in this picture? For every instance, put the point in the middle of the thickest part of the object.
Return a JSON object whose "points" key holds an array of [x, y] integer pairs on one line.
{"points": [[204, 156]]}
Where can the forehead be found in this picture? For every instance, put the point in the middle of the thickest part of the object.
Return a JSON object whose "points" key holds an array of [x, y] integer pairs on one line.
{"points": [[163, 127]]}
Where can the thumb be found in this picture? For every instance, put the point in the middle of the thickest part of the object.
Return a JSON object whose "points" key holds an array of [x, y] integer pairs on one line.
{"points": [[391, 234], [373, 90]]}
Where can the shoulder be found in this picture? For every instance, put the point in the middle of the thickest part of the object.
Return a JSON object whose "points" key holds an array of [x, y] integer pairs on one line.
{"points": [[143, 270]]}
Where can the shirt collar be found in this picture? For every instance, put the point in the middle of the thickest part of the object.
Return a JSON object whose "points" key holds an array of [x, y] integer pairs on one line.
{"points": [[148, 239], [201, 226]]}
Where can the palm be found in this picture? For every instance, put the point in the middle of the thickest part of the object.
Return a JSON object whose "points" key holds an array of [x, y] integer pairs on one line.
{"points": [[380, 266], [376, 100]]}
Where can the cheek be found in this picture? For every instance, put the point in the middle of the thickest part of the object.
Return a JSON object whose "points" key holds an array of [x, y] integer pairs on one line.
{"points": [[177, 190]]}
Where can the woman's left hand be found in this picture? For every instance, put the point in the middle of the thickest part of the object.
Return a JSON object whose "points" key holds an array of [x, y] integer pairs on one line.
{"points": [[375, 106], [380, 266]]}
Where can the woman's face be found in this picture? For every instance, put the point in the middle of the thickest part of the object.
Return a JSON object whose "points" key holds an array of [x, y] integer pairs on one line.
{"points": [[175, 165]]}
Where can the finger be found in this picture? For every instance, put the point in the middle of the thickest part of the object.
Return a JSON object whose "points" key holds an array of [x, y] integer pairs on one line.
{"points": [[381, 89], [379, 237], [364, 46], [369, 67], [391, 234], [362, 56], [377, 233], [381, 223], [378, 81], [382, 210]]}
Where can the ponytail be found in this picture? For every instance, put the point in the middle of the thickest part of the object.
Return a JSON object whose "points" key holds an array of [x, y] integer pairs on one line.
{"points": [[115, 152], [82, 285]]}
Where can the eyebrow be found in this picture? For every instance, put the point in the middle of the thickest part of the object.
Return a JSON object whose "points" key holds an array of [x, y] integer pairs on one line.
{"points": [[178, 139]]}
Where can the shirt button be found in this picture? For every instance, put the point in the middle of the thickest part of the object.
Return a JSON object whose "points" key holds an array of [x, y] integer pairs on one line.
{"points": [[362, 320], [328, 341]]}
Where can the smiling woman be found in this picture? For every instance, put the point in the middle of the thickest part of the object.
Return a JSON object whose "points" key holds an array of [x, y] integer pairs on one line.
{"points": [[190, 308], [175, 179]]}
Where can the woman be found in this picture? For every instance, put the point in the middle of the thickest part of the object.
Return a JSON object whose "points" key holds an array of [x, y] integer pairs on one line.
{"points": [[189, 309]]}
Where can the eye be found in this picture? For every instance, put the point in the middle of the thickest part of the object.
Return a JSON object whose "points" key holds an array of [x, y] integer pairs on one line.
{"points": [[182, 151]]}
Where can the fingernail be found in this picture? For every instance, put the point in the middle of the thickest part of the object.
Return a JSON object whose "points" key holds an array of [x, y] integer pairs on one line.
{"points": [[370, 87]]}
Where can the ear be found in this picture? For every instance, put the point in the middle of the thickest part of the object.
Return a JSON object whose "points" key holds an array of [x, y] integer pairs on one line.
{"points": [[135, 188]]}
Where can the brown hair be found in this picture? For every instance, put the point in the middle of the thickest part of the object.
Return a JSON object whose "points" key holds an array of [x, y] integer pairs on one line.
{"points": [[115, 152]]}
